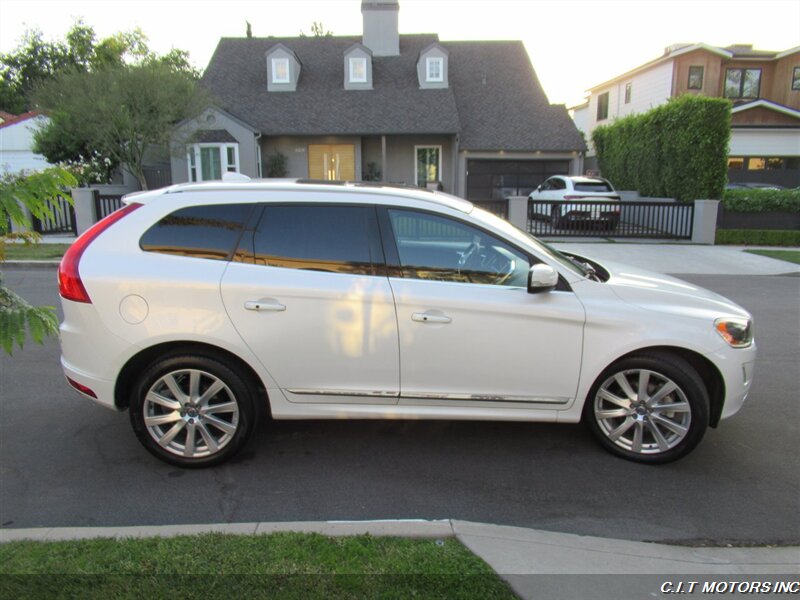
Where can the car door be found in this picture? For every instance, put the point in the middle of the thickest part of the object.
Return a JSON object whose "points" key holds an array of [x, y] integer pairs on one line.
{"points": [[469, 330], [308, 293]]}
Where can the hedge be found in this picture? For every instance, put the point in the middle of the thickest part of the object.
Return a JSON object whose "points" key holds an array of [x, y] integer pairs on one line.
{"points": [[758, 237], [676, 150], [762, 200]]}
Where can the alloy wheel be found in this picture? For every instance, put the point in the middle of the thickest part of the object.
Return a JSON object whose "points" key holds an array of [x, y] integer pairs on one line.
{"points": [[191, 413], [642, 411]]}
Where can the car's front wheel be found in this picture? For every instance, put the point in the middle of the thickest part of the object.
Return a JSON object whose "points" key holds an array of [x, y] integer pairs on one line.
{"points": [[650, 408], [192, 411]]}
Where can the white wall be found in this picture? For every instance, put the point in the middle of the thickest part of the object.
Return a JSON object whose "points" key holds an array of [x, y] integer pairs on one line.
{"points": [[16, 141], [761, 142], [650, 89]]}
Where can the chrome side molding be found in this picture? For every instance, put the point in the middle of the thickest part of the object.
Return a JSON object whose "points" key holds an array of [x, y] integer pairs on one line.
{"points": [[429, 396]]}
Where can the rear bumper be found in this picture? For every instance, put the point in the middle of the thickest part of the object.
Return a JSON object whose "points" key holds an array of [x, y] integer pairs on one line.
{"points": [[102, 388], [91, 355]]}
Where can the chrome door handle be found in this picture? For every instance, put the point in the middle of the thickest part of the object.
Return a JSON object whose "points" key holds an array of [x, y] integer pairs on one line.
{"points": [[427, 317], [265, 304]]}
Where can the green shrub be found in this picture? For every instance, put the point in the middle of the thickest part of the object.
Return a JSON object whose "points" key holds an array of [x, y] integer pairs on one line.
{"points": [[677, 150], [758, 237], [761, 200]]}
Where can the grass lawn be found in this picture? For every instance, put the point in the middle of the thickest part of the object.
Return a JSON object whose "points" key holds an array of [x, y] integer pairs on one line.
{"points": [[792, 256], [35, 252], [284, 565]]}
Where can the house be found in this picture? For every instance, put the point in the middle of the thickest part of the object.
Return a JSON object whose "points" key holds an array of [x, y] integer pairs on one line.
{"points": [[763, 86], [16, 143], [469, 117]]}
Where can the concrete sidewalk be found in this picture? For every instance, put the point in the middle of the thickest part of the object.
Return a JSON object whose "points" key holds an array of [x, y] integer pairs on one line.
{"points": [[536, 564], [684, 258]]}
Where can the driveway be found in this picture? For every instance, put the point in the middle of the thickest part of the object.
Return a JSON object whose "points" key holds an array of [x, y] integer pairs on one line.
{"points": [[67, 462]]}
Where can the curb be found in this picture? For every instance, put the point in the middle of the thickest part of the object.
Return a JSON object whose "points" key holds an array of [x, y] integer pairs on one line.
{"points": [[31, 264], [415, 528]]}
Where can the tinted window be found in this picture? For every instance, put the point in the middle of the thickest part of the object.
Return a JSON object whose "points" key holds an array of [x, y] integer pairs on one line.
{"points": [[442, 249], [198, 231], [558, 184], [319, 238], [592, 186]]}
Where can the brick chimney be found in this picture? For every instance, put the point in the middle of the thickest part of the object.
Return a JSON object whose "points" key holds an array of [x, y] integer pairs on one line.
{"points": [[381, 33]]}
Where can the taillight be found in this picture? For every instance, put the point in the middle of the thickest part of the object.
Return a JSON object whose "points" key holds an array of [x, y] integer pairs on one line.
{"points": [[571, 197], [70, 285]]}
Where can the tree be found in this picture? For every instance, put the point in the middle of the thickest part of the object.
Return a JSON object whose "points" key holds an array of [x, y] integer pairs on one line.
{"points": [[317, 30], [37, 192], [121, 110]]}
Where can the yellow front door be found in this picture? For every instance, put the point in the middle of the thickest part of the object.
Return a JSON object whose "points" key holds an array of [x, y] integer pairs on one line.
{"points": [[332, 162]]}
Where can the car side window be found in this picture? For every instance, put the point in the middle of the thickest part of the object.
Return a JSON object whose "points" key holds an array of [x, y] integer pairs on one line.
{"points": [[209, 231], [546, 185], [329, 238], [559, 184], [438, 248]]}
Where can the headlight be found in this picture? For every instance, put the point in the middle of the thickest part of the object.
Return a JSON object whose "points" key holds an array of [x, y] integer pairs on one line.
{"points": [[737, 332]]}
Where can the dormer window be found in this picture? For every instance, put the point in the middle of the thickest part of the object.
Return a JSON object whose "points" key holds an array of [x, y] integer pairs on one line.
{"points": [[280, 70], [283, 69], [358, 70], [434, 69]]}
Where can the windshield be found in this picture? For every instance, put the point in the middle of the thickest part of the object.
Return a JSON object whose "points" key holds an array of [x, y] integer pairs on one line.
{"points": [[527, 239]]}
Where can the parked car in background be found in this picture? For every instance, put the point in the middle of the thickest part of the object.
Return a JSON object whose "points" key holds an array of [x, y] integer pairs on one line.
{"points": [[201, 306], [568, 200]]}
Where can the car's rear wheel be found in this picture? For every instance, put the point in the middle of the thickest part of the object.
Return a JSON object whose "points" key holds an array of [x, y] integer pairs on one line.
{"points": [[650, 408], [192, 411]]}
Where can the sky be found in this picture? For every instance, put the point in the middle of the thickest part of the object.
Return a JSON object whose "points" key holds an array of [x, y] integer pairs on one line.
{"points": [[573, 44]]}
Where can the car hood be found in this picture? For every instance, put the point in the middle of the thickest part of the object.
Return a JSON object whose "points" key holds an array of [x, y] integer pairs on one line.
{"points": [[662, 293]]}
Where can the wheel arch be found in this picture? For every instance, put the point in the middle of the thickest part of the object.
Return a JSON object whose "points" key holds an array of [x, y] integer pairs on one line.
{"points": [[138, 362], [708, 372]]}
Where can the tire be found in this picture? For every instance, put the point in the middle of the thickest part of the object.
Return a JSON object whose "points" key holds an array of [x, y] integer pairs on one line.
{"points": [[192, 428], [644, 430]]}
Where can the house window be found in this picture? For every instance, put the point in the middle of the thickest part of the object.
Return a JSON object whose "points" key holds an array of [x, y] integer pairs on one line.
{"points": [[628, 91], [736, 163], [434, 69], [602, 106], [358, 70], [209, 161], [280, 70], [428, 164], [796, 79], [696, 78], [756, 164], [742, 83]]}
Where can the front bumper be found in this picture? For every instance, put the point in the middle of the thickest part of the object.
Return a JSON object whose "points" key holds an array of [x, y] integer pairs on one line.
{"points": [[736, 366]]}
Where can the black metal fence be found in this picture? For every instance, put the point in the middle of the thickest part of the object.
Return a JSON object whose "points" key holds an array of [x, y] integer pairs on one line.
{"points": [[62, 221], [672, 220], [105, 204]]}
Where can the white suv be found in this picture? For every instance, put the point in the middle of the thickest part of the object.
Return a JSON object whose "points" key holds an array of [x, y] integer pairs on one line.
{"points": [[200, 306], [567, 200]]}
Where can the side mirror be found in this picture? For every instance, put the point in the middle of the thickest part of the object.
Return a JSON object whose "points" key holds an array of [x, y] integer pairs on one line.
{"points": [[542, 278]]}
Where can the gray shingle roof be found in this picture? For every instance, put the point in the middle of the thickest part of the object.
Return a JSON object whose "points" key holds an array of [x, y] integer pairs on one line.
{"points": [[501, 104], [509, 111]]}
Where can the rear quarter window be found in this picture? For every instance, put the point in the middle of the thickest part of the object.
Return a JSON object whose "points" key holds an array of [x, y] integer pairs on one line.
{"points": [[593, 186], [210, 231]]}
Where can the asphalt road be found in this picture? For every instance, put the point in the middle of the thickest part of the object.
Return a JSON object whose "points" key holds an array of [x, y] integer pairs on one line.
{"points": [[67, 462]]}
